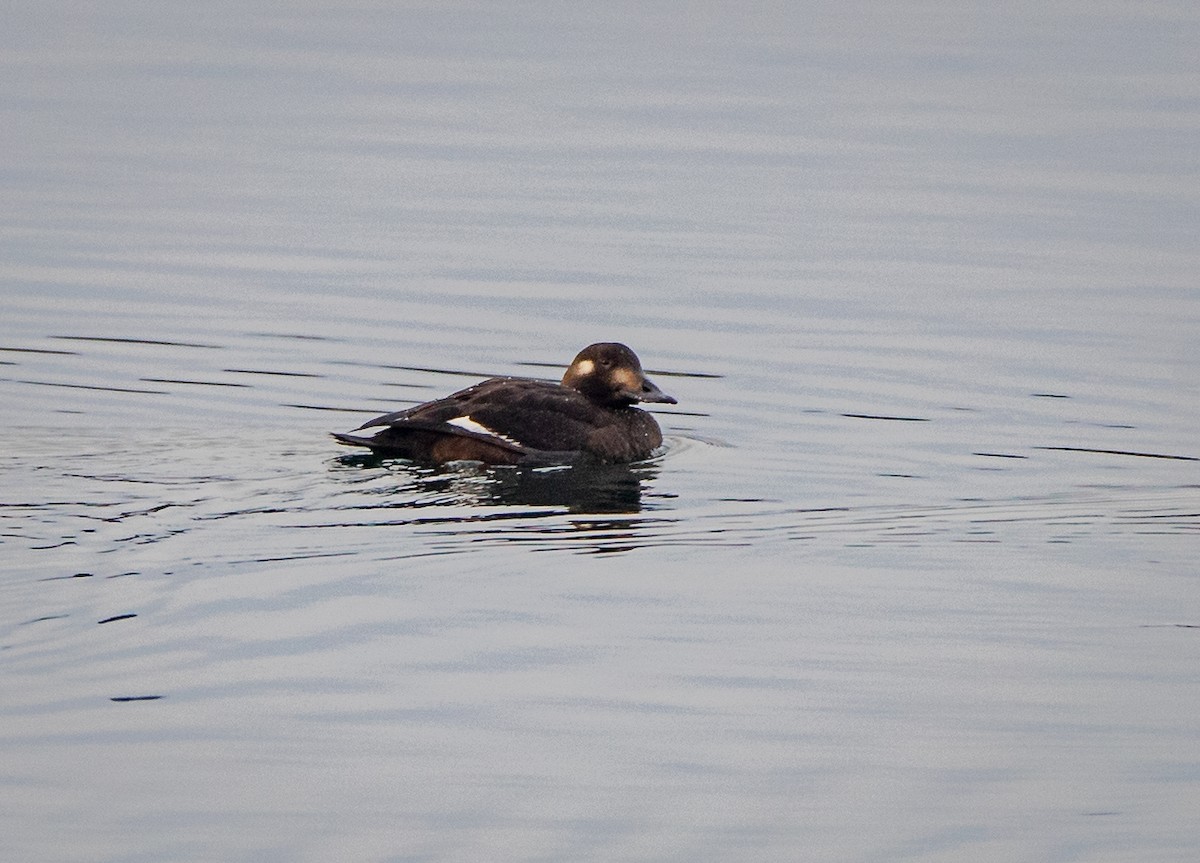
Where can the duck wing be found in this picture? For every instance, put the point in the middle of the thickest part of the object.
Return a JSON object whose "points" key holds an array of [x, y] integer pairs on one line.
{"points": [[505, 419], [517, 414]]}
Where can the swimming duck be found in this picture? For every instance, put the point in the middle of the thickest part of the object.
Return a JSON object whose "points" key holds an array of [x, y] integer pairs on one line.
{"points": [[511, 420]]}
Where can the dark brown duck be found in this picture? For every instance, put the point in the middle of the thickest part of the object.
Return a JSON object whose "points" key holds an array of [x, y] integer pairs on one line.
{"points": [[590, 413]]}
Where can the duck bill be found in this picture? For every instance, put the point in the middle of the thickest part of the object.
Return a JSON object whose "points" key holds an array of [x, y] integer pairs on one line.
{"points": [[650, 392]]}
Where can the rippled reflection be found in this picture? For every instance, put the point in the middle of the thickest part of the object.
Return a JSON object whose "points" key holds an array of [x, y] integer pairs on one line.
{"points": [[578, 488]]}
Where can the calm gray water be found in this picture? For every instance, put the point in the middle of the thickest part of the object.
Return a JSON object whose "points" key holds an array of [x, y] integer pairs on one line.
{"points": [[915, 577]]}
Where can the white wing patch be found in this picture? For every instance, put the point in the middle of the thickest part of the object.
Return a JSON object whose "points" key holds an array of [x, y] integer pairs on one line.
{"points": [[468, 424]]}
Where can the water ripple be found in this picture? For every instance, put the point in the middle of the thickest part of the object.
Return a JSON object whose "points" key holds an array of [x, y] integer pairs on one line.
{"points": [[168, 498]]}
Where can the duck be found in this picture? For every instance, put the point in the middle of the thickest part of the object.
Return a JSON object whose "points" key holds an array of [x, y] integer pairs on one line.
{"points": [[588, 415]]}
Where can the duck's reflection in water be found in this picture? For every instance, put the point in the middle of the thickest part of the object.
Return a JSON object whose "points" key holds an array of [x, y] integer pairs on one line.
{"points": [[582, 487]]}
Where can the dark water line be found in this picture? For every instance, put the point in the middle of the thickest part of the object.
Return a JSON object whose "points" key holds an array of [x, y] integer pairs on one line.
{"points": [[195, 383], [329, 408], [435, 371], [294, 336], [40, 351], [129, 341], [266, 372], [888, 418], [1119, 452], [96, 387]]}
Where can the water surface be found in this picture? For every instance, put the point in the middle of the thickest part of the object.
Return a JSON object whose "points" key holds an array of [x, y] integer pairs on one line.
{"points": [[913, 577]]}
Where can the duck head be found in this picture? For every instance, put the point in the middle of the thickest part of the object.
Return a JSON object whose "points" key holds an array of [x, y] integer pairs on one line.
{"points": [[610, 374]]}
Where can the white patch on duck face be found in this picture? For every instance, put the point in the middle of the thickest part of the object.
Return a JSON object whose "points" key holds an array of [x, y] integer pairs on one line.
{"points": [[628, 380], [468, 424], [584, 368]]}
